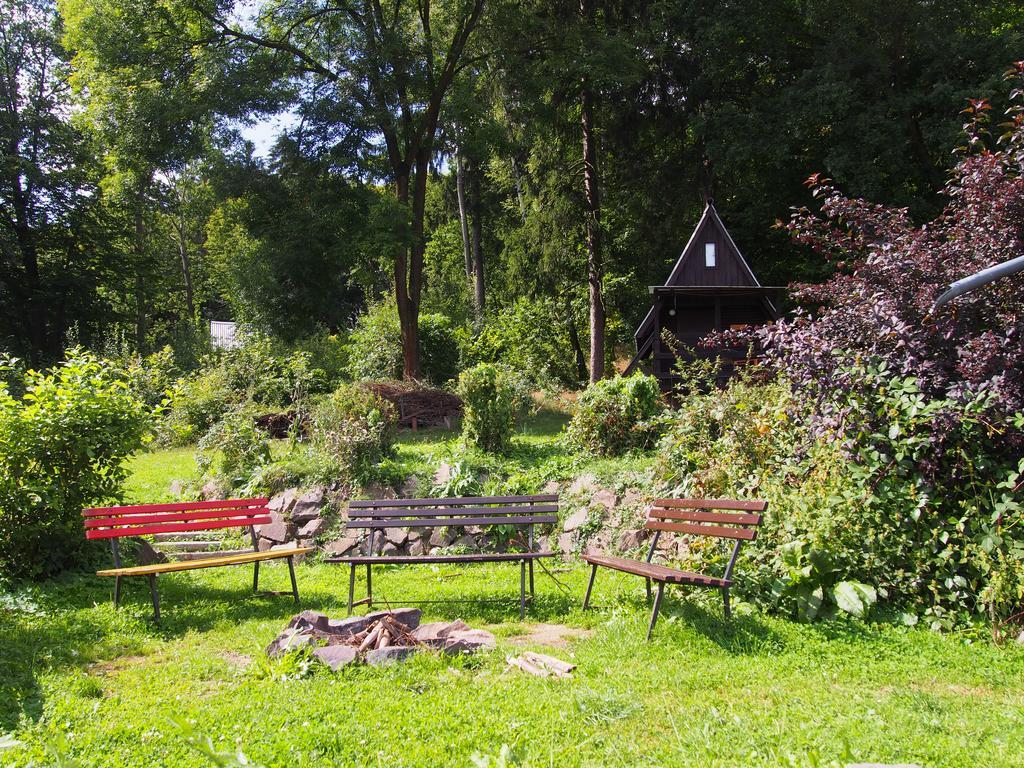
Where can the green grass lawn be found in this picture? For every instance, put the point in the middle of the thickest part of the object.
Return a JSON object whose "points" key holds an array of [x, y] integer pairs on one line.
{"points": [[118, 690]]}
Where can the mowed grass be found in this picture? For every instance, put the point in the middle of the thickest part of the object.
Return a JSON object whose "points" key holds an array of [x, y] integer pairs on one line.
{"points": [[117, 690]]}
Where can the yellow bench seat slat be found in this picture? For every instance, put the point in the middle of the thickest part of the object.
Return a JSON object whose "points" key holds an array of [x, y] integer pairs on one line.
{"points": [[211, 562]]}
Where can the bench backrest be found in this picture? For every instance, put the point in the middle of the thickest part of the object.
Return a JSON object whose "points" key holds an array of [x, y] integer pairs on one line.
{"points": [[718, 518], [142, 519], [379, 514]]}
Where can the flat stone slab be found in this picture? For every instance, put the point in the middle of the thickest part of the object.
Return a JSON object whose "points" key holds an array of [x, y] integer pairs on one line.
{"points": [[393, 654], [336, 656]]}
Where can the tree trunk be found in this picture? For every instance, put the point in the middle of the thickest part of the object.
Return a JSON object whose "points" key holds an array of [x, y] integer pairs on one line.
{"points": [[407, 310], [31, 287], [593, 225], [574, 341], [478, 256], [186, 265], [140, 280], [460, 193]]}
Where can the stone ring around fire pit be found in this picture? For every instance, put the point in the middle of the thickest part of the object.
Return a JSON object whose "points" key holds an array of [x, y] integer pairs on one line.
{"points": [[383, 637]]}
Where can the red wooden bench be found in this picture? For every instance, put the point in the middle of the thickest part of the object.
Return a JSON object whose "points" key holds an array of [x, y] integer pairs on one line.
{"points": [[378, 515], [718, 518], [113, 523]]}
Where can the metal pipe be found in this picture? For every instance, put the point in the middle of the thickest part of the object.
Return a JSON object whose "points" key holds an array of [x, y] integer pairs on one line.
{"points": [[977, 280]]}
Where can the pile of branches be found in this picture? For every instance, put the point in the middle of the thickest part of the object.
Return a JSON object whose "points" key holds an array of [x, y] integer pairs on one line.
{"points": [[418, 405]]}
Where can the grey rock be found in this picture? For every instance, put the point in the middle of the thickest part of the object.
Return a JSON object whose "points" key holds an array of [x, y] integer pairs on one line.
{"points": [[633, 498], [397, 536], [583, 485], [290, 639], [177, 488], [264, 545], [276, 530], [577, 518], [454, 637], [311, 529], [145, 554], [380, 657], [466, 541], [342, 546], [443, 473], [604, 498], [632, 539], [210, 490], [309, 505], [283, 502], [550, 487], [417, 548], [410, 487], [440, 537], [389, 549], [565, 543], [335, 656]]}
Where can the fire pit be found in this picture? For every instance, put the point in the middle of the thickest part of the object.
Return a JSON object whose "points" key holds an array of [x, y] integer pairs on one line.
{"points": [[383, 637]]}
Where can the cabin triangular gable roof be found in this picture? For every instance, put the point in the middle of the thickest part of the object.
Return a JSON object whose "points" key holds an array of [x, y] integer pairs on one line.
{"points": [[709, 222]]}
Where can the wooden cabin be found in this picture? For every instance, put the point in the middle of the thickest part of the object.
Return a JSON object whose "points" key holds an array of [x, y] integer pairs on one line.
{"points": [[711, 287]]}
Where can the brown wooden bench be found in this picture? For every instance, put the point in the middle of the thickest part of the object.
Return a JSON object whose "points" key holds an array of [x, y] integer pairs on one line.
{"points": [[378, 515], [114, 523], [719, 518]]}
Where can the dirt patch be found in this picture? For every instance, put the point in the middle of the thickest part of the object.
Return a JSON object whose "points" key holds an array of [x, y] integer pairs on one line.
{"points": [[554, 635], [236, 659]]}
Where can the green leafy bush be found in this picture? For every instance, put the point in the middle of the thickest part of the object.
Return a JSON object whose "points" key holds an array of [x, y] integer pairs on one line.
{"points": [[617, 415], [850, 520], [493, 400], [356, 428], [195, 404], [152, 378], [233, 449], [62, 448], [375, 348], [530, 336]]}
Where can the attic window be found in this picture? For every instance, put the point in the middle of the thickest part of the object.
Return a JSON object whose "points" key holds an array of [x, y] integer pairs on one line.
{"points": [[709, 254]]}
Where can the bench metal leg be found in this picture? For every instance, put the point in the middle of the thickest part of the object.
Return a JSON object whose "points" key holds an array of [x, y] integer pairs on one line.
{"points": [[291, 573], [369, 585], [725, 602], [256, 576], [117, 592], [156, 597], [654, 613], [522, 590], [648, 583], [531, 579], [351, 587], [590, 586]]}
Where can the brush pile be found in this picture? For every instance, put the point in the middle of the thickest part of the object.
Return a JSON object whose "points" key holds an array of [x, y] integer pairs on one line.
{"points": [[378, 638]]}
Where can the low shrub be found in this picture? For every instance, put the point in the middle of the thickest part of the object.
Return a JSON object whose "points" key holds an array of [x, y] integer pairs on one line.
{"points": [[195, 404], [62, 448], [617, 415], [356, 428], [233, 450], [850, 519], [375, 347], [151, 378], [494, 399], [531, 336]]}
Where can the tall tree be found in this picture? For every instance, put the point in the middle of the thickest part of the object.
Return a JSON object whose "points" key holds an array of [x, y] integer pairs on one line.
{"points": [[43, 183], [372, 72]]}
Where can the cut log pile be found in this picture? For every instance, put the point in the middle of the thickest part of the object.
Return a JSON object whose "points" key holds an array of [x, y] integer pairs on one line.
{"points": [[541, 665], [418, 406], [378, 638]]}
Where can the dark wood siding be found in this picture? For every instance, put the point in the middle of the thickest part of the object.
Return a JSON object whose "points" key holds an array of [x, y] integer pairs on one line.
{"points": [[729, 269]]}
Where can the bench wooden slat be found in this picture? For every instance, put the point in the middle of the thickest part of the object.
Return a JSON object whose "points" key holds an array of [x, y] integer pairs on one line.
{"points": [[451, 511], [175, 517], [654, 571], [746, 506], [456, 522], [180, 506], [202, 525], [719, 532], [468, 558], [454, 501], [211, 562], [698, 516]]}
